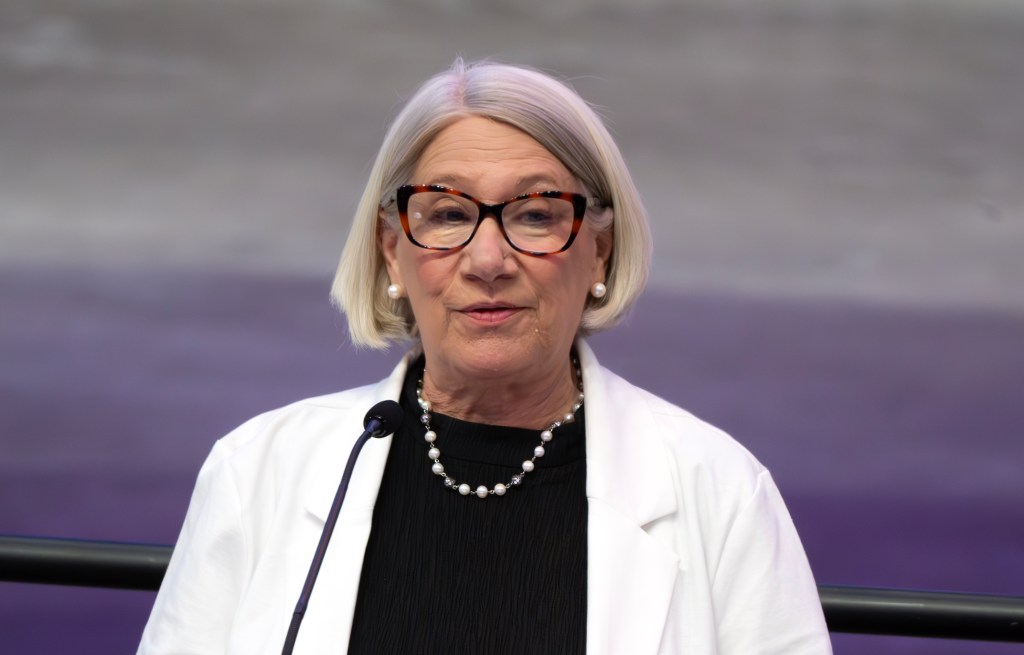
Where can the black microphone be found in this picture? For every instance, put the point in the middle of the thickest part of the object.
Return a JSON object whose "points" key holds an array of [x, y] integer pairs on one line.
{"points": [[382, 419]]}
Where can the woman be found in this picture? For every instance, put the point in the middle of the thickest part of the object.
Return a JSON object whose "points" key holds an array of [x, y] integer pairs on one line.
{"points": [[531, 501]]}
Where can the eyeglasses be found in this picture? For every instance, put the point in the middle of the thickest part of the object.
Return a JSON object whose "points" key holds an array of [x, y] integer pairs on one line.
{"points": [[439, 218]]}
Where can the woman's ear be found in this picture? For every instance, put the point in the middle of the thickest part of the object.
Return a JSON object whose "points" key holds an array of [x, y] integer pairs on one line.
{"points": [[605, 242], [387, 241]]}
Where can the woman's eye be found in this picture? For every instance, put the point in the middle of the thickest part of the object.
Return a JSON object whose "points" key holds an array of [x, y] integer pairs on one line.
{"points": [[450, 215], [533, 217]]}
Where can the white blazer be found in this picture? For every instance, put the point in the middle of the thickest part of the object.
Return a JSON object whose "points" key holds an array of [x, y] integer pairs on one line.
{"points": [[690, 548]]}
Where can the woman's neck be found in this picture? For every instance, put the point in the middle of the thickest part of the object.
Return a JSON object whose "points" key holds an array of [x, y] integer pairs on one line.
{"points": [[532, 402]]}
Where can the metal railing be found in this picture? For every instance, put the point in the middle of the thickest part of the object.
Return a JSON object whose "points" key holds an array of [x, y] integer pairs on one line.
{"points": [[863, 610]]}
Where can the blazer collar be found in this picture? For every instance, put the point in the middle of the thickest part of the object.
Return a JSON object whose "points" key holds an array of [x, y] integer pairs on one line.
{"points": [[627, 467], [329, 616], [631, 574], [327, 471], [626, 464]]}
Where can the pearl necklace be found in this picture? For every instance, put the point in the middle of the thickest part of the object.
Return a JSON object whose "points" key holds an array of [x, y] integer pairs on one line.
{"points": [[434, 453]]}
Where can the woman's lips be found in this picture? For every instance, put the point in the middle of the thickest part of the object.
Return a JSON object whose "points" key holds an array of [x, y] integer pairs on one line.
{"points": [[490, 314]]}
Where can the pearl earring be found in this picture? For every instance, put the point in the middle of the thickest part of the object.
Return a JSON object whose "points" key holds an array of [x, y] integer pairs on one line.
{"points": [[395, 291], [598, 290]]}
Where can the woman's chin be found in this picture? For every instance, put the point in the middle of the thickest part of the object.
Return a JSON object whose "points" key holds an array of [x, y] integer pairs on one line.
{"points": [[493, 355]]}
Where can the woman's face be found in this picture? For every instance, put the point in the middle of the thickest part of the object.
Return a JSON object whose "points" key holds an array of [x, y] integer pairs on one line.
{"points": [[487, 312]]}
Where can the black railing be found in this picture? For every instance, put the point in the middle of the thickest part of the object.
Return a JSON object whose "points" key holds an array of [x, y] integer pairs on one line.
{"points": [[913, 613], [81, 563], [863, 610]]}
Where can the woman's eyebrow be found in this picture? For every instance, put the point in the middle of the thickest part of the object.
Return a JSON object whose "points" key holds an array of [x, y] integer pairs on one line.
{"points": [[449, 179], [520, 184], [536, 180]]}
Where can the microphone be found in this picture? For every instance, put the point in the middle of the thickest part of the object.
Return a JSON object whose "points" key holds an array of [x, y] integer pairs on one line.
{"points": [[382, 419]]}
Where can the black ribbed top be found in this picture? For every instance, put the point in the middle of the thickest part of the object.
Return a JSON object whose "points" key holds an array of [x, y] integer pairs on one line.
{"points": [[453, 574]]}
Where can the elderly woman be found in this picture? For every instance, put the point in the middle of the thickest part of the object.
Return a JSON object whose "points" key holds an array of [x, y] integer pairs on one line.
{"points": [[531, 501]]}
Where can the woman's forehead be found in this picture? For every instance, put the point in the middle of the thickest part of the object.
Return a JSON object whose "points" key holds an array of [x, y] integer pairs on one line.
{"points": [[489, 157]]}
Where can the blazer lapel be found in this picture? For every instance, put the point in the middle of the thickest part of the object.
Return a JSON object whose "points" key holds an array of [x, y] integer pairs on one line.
{"points": [[631, 574], [328, 619], [630, 581]]}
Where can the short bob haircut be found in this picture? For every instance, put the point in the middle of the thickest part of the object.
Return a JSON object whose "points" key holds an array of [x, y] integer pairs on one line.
{"points": [[545, 109]]}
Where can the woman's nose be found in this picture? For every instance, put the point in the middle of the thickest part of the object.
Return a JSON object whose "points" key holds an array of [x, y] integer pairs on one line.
{"points": [[487, 253]]}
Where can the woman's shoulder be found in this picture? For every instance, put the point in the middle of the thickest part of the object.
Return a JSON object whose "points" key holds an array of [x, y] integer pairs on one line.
{"points": [[297, 431], [687, 439]]}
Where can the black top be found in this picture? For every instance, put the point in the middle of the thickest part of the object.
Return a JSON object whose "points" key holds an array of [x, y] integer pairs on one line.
{"points": [[446, 573]]}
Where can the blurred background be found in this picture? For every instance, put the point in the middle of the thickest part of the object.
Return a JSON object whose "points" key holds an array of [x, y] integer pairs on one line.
{"points": [[836, 193]]}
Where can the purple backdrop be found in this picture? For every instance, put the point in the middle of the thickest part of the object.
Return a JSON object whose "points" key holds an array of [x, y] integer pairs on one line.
{"points": [[893, 434]]}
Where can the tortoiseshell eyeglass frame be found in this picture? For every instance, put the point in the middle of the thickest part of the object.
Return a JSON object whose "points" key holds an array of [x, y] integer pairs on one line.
{"points": [[579, 206]]}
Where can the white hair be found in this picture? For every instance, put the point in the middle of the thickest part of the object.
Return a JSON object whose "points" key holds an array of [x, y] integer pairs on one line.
{"points": [[552, 114]]}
